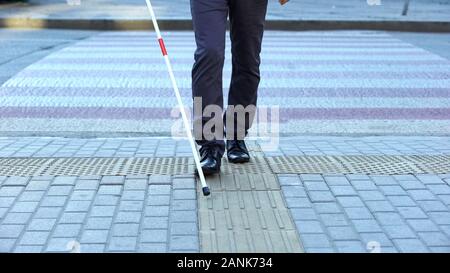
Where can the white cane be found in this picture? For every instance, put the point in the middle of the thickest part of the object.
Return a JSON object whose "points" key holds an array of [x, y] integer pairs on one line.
{"points": [[187, 126]]}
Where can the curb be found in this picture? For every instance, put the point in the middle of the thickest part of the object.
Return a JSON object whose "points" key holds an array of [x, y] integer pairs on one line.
{"points": [[186, 24]]}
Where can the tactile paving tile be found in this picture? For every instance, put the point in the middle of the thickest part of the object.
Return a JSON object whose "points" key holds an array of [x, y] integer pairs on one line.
{"points": [[246, 213], [78, 166], [432, 163], [243, 182], [361, 164], [305, 164], [349, 164]]}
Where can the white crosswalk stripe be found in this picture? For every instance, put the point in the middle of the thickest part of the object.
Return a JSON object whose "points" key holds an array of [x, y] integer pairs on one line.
{"points": [[324, 82]]}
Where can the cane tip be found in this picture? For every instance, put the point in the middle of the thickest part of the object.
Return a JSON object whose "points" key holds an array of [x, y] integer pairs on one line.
{"points": [[206, 191]]}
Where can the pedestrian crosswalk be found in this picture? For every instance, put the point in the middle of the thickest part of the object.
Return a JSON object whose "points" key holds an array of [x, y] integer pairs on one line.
{"points": [[338, 82]]}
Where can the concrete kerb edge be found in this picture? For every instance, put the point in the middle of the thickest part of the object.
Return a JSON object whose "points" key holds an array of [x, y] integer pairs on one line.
{"points": [[186, 24]]}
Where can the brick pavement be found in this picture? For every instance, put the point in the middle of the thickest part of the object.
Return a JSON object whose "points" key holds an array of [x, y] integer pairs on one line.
{"points": [[247, 212], [111, 214]]}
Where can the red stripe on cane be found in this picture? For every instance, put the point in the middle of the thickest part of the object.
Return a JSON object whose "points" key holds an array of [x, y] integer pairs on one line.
{"points": [[162, 46]]}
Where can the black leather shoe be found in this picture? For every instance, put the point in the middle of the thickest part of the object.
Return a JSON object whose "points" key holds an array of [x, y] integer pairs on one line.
{"points": [[210, 159], [237, 151]]}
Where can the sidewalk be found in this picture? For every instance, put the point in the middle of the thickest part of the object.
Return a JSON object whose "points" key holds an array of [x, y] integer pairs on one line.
{"points": [[139, 195], [423, 15]]}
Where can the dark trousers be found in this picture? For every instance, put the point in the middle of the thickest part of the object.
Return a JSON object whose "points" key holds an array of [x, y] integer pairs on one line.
{"points": [[209, 18]]}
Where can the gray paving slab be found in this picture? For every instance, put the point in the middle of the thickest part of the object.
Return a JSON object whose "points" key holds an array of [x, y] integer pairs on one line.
{"points": [[396, 224], [98, 224], [393, 212]]}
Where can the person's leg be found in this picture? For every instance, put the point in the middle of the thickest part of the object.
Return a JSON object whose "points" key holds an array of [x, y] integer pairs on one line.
{"points": [[209, 19], [247, 20]]}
